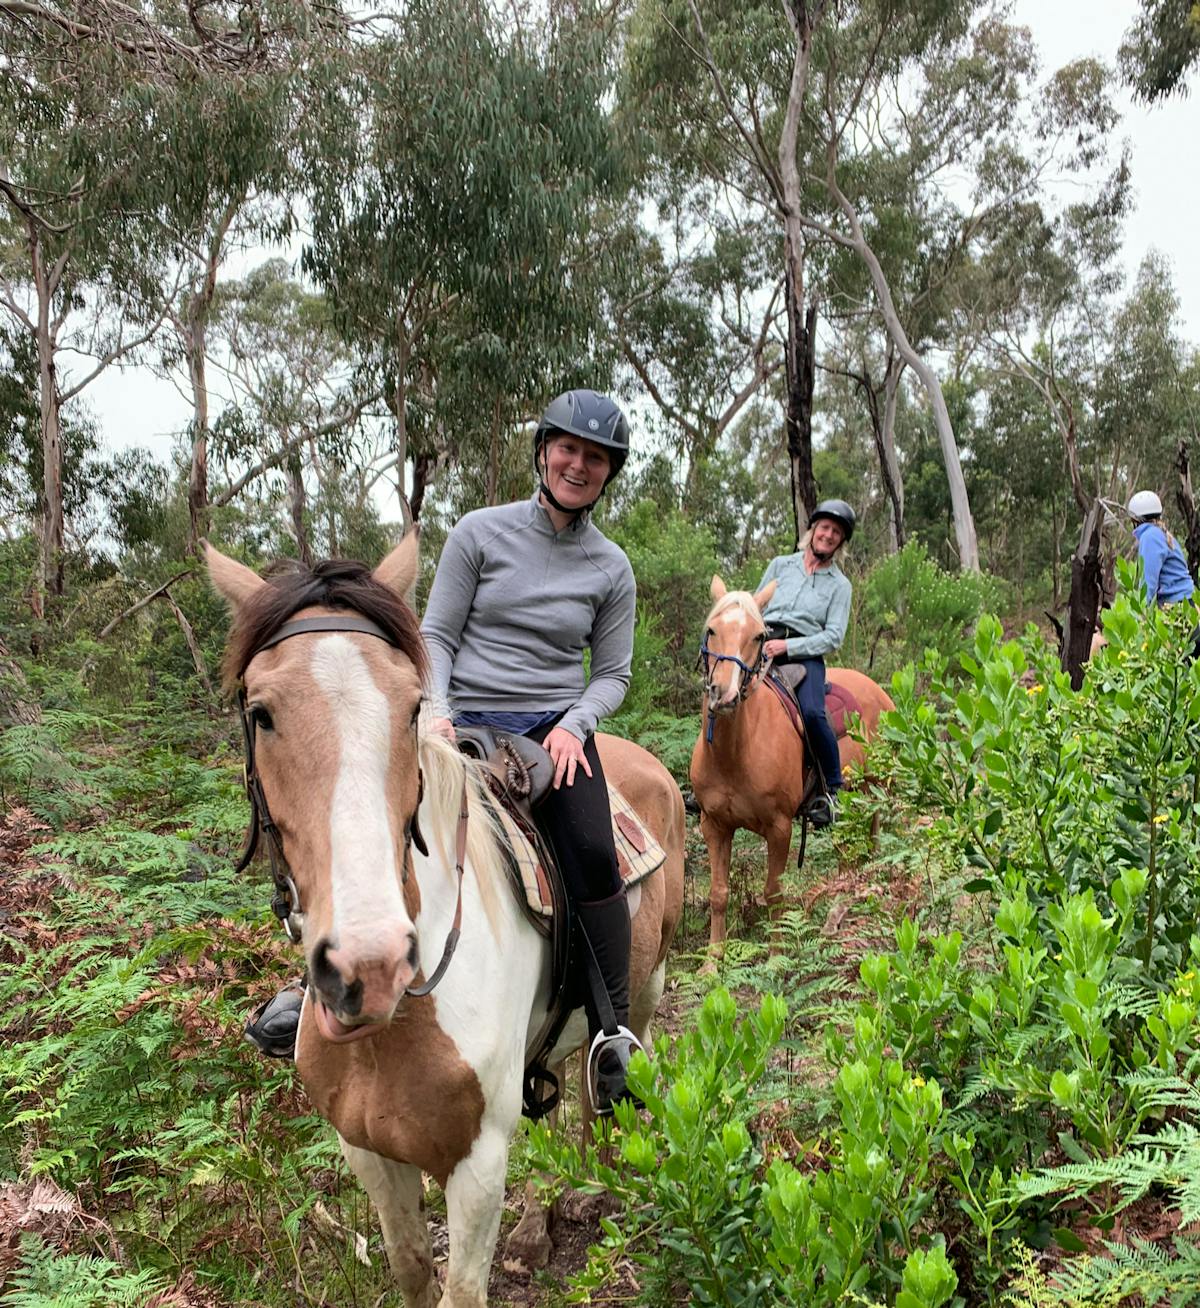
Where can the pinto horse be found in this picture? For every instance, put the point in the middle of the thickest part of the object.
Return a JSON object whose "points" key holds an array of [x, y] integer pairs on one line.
{"points": [[412, 1048], [751, 773]]}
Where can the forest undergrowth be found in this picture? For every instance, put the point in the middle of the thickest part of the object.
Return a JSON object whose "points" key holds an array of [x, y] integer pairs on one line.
{"points": [[958, 1070]]}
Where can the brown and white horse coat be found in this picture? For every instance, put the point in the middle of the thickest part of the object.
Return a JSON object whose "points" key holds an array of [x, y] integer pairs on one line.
{"points": [[429, 1084]]}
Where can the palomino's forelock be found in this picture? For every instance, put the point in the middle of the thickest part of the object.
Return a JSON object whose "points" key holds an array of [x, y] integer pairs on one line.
{"points": [[742, 599]]}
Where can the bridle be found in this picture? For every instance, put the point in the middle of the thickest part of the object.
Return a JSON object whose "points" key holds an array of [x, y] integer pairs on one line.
{"points": [[750, 674], [285, 903]]}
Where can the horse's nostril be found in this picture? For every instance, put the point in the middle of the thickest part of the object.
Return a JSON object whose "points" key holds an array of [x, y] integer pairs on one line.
{"points": [[413, 954], [331, 984]]}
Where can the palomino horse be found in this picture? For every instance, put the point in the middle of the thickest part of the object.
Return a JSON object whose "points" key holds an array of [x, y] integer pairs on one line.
{"points": [[343, 785], [751, 773]]}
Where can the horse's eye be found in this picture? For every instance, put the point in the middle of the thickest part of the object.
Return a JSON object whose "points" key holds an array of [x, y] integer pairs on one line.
{"points": [[261, 718], [416, 713]]}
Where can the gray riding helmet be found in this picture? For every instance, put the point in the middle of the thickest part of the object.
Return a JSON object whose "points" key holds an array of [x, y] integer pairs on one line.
{"points": [[836, 511], [590, 415]]}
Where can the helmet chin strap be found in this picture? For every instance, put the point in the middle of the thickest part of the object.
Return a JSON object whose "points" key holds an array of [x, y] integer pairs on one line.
{"points": [[562, 508], [554, 500]]}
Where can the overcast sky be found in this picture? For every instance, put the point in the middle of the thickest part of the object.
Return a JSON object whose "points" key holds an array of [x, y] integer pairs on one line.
{"points": [[135, 408]]}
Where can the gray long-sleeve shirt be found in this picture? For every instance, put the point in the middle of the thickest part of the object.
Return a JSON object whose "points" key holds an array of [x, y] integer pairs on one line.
{"points": [[814, 604], [514, 605]]}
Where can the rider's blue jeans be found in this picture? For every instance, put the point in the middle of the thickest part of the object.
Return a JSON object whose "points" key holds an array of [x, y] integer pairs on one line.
{"points": [[811, 696]]}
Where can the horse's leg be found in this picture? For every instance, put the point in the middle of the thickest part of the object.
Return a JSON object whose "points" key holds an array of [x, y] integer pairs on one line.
{"points": [[395, 1190], [779, 842], [529, 1245], [719, 841], [474, 1200]]}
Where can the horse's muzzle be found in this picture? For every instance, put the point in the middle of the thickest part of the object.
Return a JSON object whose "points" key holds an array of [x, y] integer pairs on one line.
{"points": [[361, 988]]}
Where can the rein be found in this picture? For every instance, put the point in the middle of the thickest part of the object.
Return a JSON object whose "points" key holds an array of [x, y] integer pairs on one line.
{"points": [[751, 675], [285, 903]]}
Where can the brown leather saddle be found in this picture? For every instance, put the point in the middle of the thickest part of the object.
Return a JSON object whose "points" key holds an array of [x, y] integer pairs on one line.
{"points": [[839, 704]]}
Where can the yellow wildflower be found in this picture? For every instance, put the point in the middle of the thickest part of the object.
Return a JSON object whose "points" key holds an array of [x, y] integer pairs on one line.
{"points": [[1033, 690], [917, 1082], [1160, 818]]}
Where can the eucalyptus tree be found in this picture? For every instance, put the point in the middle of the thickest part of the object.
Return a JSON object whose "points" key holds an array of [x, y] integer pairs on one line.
{"points": [[1145, 398], [1161, 47], [462, 237], [719, 88], [116, 118], [71, 167], [922, 97], [293, 382], [698, 325]]}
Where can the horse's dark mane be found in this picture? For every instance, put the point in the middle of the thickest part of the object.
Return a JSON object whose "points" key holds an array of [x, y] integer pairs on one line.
{"points": [[331, 584]]}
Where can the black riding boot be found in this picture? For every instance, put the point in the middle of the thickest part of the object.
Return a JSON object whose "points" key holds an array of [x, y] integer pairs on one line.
{"points": [[272, 1028], [605, 927]]}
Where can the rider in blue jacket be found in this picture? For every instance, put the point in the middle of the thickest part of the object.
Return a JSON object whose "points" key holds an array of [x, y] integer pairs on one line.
{"points": [[1164, 566]]}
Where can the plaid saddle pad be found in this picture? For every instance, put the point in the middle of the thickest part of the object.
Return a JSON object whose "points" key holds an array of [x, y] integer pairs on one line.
{"points": [[638, 854]]}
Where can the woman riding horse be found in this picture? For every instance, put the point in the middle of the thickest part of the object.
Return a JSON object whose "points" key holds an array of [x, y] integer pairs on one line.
{"points": [[806, 619], [521, 591]]}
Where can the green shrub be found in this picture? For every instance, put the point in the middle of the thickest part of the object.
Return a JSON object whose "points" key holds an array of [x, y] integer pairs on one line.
{"points": [[906, 603], [707, 1210]]}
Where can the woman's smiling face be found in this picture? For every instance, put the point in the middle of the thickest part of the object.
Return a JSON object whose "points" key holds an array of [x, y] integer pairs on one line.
{"points": [[575, 470]]}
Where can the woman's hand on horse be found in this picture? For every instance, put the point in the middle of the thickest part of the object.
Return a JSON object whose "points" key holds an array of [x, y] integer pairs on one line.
{"points": [[774, 649], [443, 727], [566, 751]]}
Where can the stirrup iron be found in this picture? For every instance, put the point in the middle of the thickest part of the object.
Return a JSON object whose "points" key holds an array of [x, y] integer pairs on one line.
{"points": [[607, 1085]]}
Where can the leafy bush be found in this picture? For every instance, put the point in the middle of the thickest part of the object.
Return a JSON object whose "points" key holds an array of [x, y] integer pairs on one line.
{"points": [[673, 561], [706, 1205], [907, 604], [1064, 790]]}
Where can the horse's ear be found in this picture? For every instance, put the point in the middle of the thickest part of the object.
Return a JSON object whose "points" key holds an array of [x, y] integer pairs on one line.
{"points": [[231, 579], [763, 598], [717, 589], [399, 570]]}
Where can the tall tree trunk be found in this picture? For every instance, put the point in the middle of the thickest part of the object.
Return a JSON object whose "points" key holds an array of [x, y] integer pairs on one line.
{"points": [[297, 503], [799, 374], [197, 355], [893, 480], [1187, 508], [960, 505], [50, 560], [1087, 584], [801, 333], [883, 428], [195, 330], [397, 401]]}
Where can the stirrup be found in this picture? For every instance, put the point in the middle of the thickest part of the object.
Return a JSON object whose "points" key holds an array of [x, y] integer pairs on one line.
{"points": [[606, 1084], [272, 1027], [821, 811]]}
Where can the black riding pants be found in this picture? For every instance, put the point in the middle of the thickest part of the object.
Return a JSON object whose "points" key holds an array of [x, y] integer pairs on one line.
{"points": [[577, 821]]}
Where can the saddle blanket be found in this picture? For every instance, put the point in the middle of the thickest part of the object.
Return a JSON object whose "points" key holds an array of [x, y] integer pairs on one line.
{"points": [[638, 853]]}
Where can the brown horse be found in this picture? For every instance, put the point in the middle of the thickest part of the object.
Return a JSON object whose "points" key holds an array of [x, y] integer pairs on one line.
{"points": [[752, 773], [413, 1079]]}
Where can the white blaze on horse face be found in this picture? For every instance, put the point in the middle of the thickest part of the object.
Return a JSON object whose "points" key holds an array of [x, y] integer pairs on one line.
{"points": [[370, 934], [734, 632]]}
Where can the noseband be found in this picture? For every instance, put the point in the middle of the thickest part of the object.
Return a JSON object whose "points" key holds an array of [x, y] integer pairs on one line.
{"points": [[285, 903], [750, 675]]}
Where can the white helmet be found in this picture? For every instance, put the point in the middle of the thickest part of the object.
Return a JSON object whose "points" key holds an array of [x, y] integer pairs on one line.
{"points": [[1145, 504]]}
